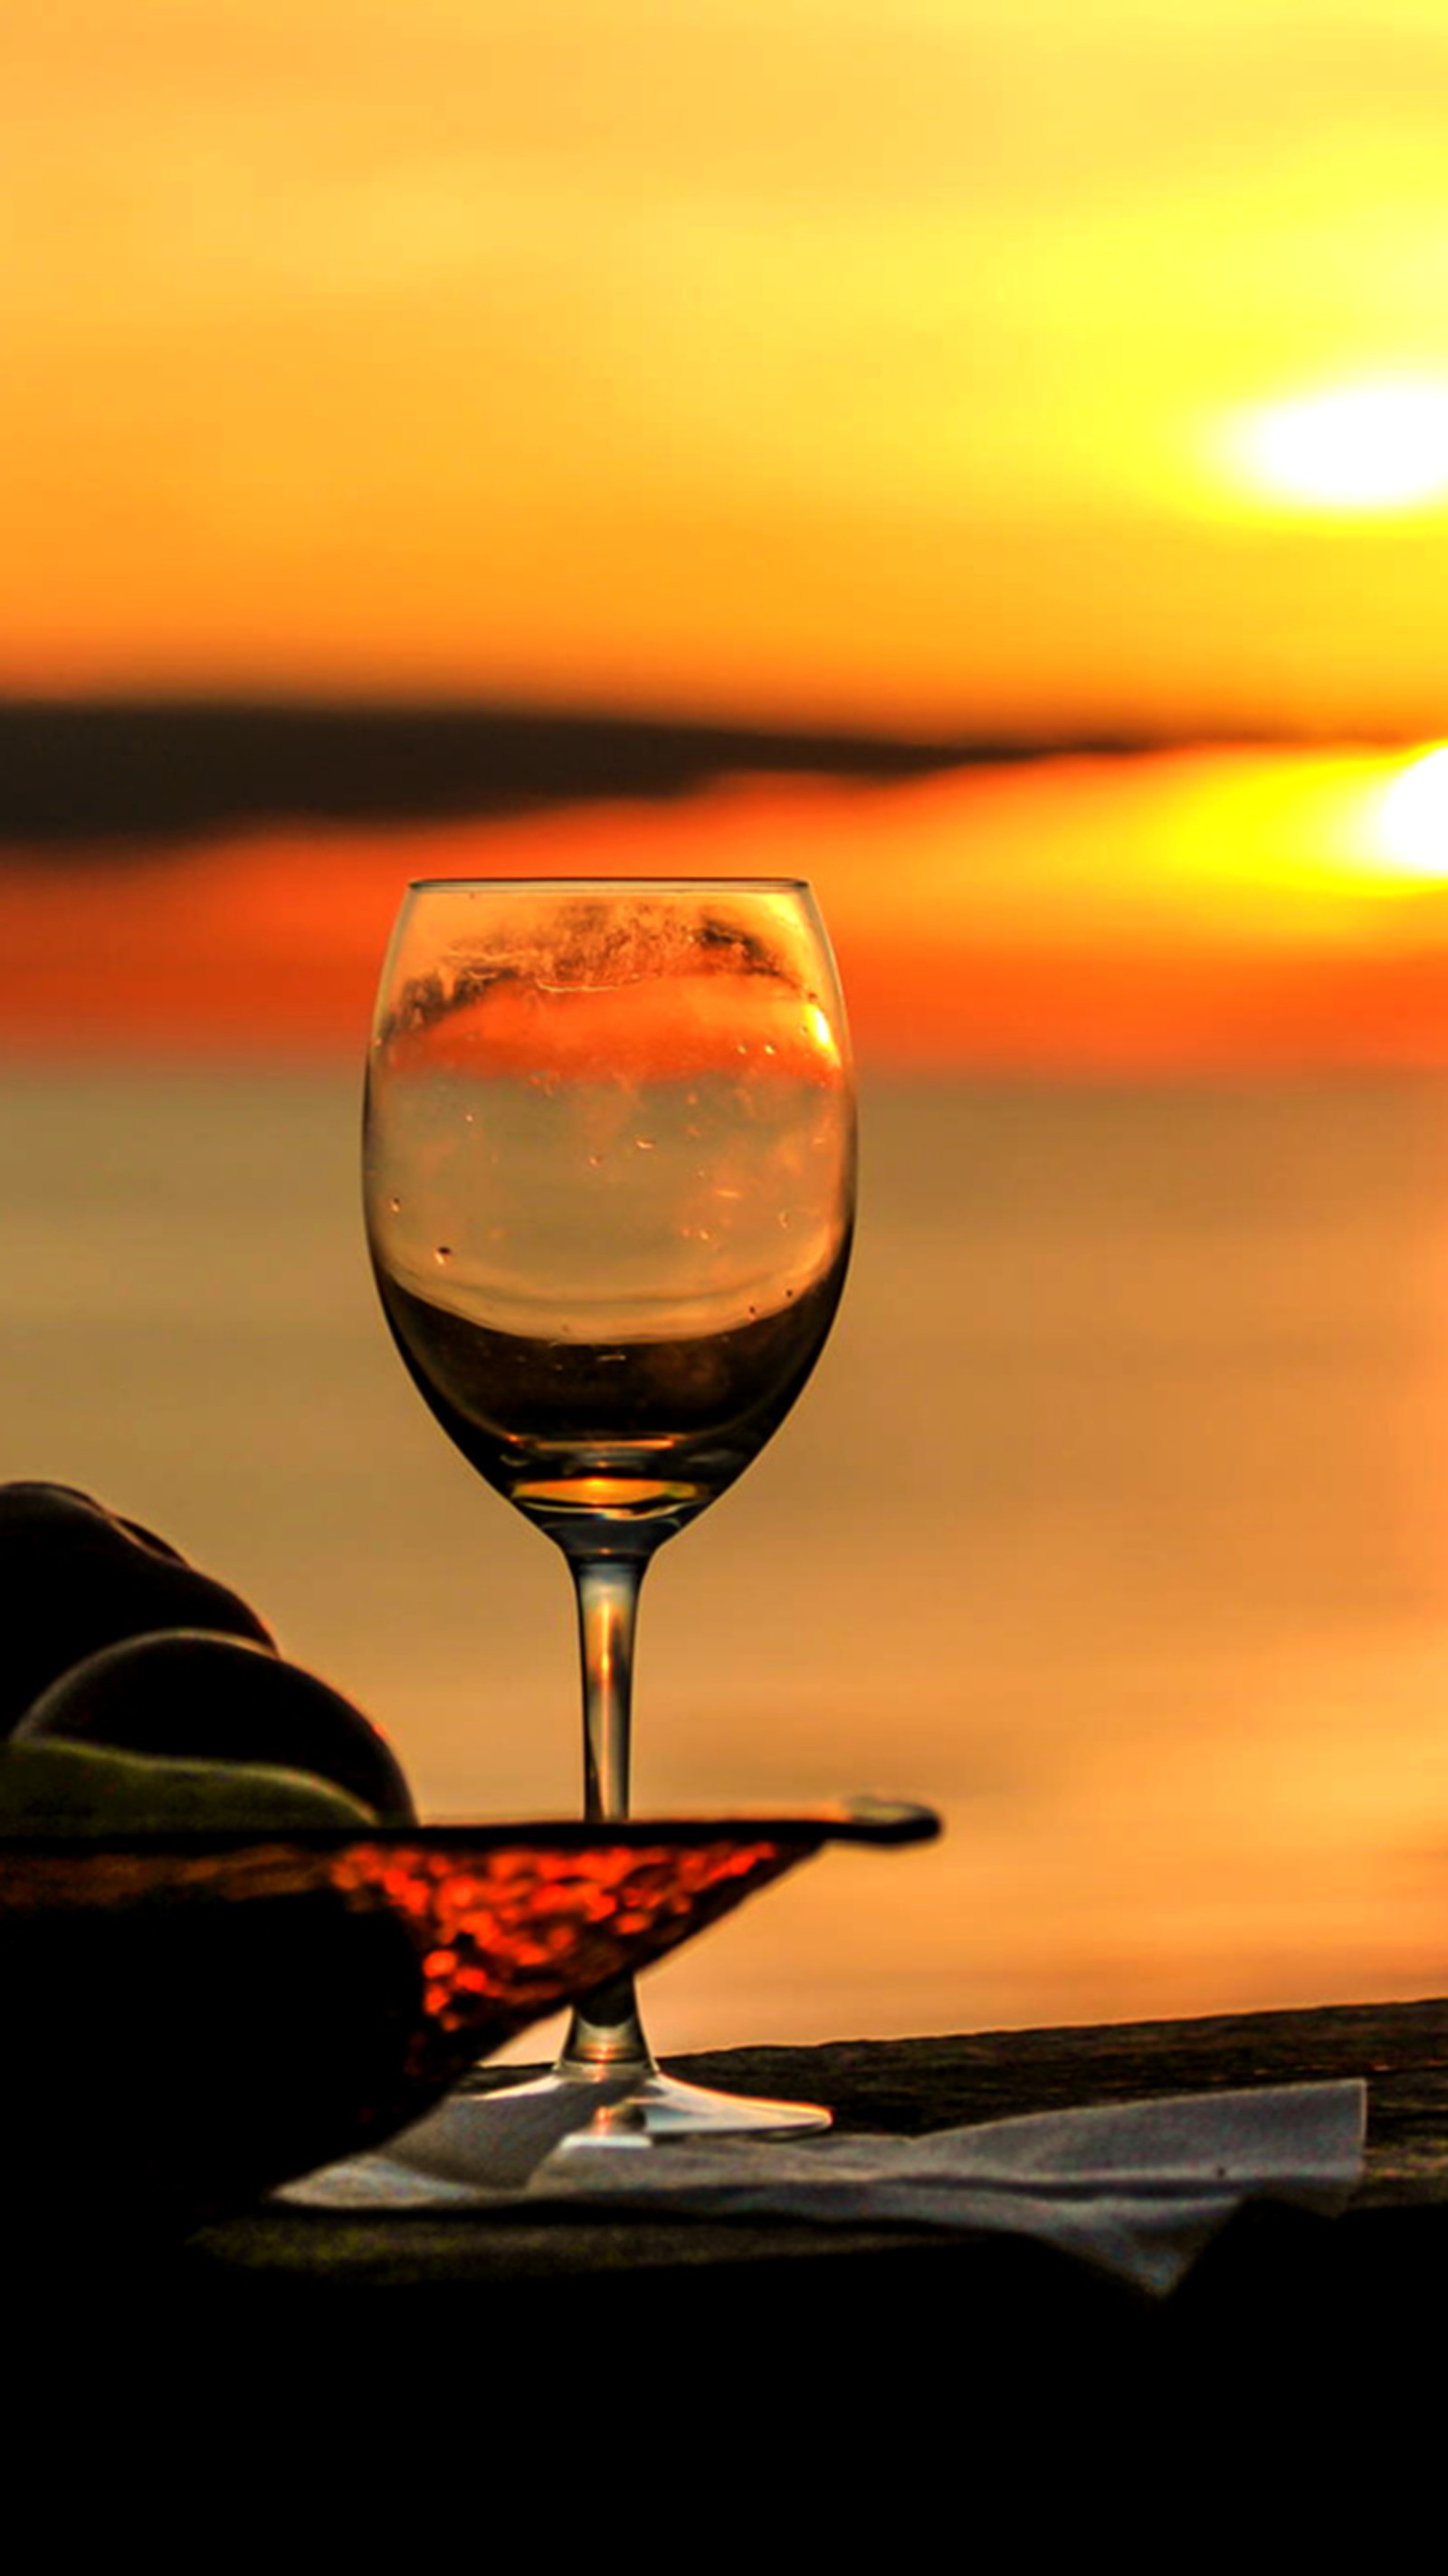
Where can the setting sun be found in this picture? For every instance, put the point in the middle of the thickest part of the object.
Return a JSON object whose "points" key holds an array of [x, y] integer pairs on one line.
{"points": [[1412, 817], [1361, 447]]}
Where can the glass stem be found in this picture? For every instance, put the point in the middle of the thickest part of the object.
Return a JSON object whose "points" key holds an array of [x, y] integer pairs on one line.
{"points": [[605, 2037]]}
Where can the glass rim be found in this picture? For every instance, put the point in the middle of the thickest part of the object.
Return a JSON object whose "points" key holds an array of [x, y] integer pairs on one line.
{"points": [[610, 885]]}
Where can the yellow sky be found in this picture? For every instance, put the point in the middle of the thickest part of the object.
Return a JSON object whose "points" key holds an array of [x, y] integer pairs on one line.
{"points": [[790, 357]]}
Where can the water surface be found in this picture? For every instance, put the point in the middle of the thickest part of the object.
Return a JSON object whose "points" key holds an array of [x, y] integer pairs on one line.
{"points": [[1112, 1523]]}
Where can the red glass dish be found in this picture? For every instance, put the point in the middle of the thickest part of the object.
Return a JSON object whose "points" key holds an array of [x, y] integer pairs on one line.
{"points": [[188, 2021]]}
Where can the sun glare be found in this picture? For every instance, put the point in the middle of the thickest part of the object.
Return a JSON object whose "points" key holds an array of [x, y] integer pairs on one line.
{"points": [[1364, 447], [1412, 817]]}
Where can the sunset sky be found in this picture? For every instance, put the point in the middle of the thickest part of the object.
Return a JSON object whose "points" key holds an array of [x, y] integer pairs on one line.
{"points": [[1036, 376], [798, 359]]}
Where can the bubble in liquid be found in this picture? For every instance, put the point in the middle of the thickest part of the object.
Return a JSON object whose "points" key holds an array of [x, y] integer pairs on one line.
{"points": [[394, 1207], [784, 1218], [646, 1144], [594, 1161], [442, 1254]]}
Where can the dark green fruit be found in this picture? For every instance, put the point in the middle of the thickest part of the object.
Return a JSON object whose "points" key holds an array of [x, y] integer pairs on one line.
{"points": [[188, 1696], [87, 1789], [75, 1578]]}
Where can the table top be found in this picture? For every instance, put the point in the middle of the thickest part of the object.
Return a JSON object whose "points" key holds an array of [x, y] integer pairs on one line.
{"points": [[755, 2309], [901, 2087]]}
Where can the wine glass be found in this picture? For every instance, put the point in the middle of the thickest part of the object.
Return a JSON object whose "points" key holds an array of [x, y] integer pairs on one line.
{"points": [[609, 1174]]}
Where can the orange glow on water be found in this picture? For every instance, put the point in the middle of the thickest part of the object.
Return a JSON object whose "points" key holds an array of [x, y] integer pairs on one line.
{"points": [[1183, 911]]}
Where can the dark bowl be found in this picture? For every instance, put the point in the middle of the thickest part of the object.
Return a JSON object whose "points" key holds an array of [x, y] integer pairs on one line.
{"points": [[188, 2021]]}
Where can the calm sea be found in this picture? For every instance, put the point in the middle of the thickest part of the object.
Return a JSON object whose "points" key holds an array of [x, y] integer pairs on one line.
{"points": [[1113, 1524]]}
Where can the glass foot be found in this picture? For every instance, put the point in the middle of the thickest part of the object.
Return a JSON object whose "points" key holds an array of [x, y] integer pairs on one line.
{"points": [[486, 2137], [652, 2108], [606, 2089]]}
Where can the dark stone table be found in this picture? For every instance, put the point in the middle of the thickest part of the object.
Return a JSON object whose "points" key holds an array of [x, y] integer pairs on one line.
{"points": [[684, 2327], [618, 2383]]}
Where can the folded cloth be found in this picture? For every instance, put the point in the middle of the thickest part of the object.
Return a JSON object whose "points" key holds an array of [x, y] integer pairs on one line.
{"points": [[1137, 2189]]}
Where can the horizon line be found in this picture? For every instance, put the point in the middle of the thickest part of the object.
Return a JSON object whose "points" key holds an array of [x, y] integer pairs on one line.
{"points": [[117, 768]]}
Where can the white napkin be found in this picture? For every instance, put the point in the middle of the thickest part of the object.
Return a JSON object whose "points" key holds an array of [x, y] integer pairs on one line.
{"points": [[1136, 2189]]}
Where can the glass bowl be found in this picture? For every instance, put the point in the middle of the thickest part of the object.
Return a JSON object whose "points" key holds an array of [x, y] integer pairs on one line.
{"points": [[188, 2021]]}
